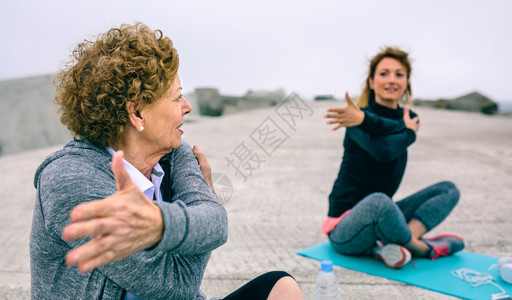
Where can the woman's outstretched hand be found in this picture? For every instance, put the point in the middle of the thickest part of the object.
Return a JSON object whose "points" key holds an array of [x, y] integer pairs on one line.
{"points": [[204, 166], [120, 225], [347, 116], [413, 123]]}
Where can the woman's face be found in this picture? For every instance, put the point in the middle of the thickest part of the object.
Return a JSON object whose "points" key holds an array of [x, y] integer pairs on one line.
{"points": [[389, 82], [163, 119]]}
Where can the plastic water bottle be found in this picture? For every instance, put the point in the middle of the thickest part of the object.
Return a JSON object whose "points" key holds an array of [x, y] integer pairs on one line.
{"points": [[326, 283]]}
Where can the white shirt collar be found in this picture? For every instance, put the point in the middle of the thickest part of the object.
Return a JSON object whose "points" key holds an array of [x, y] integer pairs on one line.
{"points": [[148, 187]]}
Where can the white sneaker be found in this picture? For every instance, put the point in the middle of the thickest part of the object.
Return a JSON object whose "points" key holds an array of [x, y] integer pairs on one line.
{"points": [[394, 256]]}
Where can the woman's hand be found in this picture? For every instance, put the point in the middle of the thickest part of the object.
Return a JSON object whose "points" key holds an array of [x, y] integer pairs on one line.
{"points": [[414, 123], [347, 116], [204, 166], [121, 224]]}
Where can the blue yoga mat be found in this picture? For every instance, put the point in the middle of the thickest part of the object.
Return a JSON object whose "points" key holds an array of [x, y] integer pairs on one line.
{"points": [[430, 274]]}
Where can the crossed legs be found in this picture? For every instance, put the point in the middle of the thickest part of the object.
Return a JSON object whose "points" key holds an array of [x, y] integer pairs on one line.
{"points": [[377, 217]]}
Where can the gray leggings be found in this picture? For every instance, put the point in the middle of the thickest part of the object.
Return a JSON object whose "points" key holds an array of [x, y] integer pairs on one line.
{"points": [[377, 217]]}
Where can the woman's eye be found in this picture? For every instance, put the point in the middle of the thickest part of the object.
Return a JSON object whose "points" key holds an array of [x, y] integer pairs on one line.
{"points": [[400, 75], [383, 74], [179, 98]]}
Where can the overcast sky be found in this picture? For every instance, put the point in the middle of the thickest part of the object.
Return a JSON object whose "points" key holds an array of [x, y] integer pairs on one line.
{"points": [[310, 47]]}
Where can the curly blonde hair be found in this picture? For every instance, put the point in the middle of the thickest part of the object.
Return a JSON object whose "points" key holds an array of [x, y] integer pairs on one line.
{"points": [[130, 63], [393, 52]]}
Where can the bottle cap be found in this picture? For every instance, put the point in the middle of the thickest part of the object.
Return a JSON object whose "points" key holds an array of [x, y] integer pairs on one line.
{"points": [[506, 273], [326, 265]]}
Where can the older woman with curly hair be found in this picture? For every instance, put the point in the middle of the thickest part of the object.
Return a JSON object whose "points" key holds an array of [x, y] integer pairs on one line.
{"points": [[127, 209]]}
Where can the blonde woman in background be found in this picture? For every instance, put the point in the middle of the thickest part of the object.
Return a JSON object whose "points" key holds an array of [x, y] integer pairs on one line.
{"points": [[362, 218]]}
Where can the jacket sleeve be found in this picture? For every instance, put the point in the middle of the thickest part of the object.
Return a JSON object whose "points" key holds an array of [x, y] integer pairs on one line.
{"points": [[376, 125], [385, 147], [194, 222], [150, 274]]}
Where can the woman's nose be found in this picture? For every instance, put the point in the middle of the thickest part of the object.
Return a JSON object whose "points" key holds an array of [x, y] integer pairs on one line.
{"points": [[392, 79], [185, 106]]}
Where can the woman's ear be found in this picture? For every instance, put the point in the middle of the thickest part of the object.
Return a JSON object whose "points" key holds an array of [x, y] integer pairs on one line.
{"points": [[370, 83], [134, 116]]}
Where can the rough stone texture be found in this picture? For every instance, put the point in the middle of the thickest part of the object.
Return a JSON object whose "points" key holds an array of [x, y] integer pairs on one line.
{"points": [[278, 210]]}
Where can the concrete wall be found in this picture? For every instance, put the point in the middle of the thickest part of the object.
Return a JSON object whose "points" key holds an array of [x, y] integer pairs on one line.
{"points": [[28, 115]]}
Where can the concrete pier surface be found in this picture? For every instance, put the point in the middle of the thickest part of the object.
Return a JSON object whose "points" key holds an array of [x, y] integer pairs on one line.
{"points": [[274, 169]]}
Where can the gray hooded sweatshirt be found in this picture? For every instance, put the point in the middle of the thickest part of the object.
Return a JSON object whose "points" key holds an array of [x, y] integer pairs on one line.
{"points": [[194, 225]]}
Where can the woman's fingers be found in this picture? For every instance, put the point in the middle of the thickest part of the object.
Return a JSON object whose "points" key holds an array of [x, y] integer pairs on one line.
{"points": [[123, 179], [416, 122], [97, 261], [413, 124], [201, 158], [96, 247], [92, 209], [337, 127], [94, 263], [347, 116], [336, 109], [349, 100], [84, 229], [332, 115], [88, 257], [407, 116], [204, 166], [109, 235], [115, 238]]}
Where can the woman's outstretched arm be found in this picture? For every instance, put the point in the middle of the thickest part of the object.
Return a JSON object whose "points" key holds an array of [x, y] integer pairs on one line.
{"points": [[387, 147]]}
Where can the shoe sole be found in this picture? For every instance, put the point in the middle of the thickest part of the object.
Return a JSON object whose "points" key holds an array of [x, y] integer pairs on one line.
{"points": [[393, 253], [442, 252], [453, 235]]}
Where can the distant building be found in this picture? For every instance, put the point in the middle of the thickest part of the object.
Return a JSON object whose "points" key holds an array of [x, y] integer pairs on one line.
{"points": [[474, 102], [212, 103], [324, 98], [209, 101]]}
